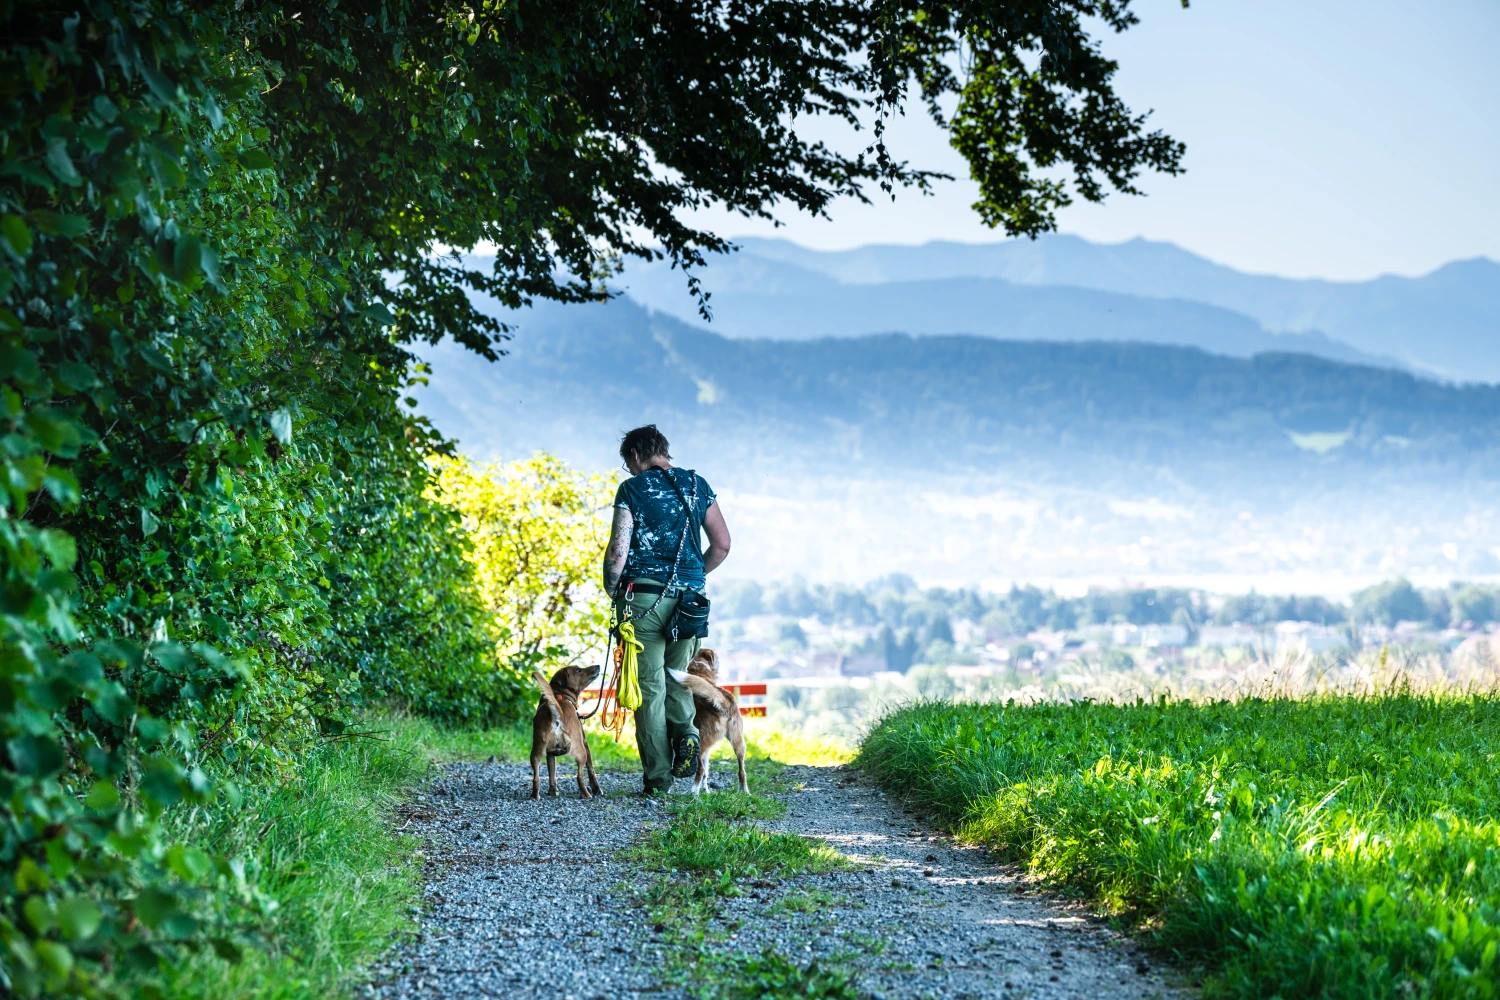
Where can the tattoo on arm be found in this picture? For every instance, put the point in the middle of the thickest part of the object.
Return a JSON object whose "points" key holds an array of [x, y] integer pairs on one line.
{"points": [[618, 549]]}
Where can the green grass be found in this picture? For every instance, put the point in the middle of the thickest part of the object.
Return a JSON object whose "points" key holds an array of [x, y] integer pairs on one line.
{"points": [[1341, 847], [725, 805], [773, 976], [321, 846], [698, 842], [812, 901], [708, 846]]}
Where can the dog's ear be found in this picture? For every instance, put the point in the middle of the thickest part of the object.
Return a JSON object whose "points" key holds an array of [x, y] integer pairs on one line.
{"points": [[705, 664]]}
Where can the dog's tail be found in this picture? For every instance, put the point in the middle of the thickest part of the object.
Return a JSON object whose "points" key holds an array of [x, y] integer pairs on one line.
{"points": [[547, 694], [712, 695]]}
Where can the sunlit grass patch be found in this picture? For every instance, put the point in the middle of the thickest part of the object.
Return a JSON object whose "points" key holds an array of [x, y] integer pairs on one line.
{"points": [[321, 845], [507, 743], [771, 975], [726, 805], [790, 747], [706, 844], [1334, 847]]}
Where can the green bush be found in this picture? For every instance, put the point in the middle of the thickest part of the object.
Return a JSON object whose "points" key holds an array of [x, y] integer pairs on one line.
{"points": [[217, 233], [1332, 847]]}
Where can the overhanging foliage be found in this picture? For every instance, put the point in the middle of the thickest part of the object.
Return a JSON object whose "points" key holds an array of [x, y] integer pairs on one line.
{"points": [[214, 529]]}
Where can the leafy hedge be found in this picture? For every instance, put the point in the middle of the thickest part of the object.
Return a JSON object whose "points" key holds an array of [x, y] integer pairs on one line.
{"points": [[216, 233]]}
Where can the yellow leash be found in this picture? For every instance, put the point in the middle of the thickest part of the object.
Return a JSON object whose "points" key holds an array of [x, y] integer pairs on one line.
{"points": [[627, 684], [628, 692]]}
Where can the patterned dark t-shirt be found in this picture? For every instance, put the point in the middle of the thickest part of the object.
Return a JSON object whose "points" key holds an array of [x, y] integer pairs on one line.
{"points": [[656, 515]]}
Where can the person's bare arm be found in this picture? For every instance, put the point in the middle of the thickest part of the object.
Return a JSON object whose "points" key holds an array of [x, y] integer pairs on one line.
{"points": [[617, 550], [718, 538]]}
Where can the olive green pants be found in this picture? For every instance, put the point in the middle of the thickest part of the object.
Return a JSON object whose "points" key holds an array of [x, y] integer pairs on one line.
{"points": [[666, 712]]}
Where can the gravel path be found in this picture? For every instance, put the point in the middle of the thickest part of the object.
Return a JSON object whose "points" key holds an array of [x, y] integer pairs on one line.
{"points": [[526, 899]]}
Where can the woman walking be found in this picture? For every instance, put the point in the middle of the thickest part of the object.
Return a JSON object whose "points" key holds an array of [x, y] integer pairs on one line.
{"points": [[654, 567]]}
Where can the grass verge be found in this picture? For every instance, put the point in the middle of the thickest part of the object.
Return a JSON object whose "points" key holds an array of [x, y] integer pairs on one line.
{"points": [[1335, 847], [320, 844]]}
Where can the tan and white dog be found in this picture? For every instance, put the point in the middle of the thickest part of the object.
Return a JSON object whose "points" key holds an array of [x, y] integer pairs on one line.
{"points": [[717, 714]]}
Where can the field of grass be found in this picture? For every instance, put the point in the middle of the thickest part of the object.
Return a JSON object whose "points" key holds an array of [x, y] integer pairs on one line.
{"points": [[1340, 847]]}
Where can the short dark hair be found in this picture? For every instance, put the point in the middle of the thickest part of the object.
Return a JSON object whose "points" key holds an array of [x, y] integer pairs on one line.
{"points": [[643, 444]]}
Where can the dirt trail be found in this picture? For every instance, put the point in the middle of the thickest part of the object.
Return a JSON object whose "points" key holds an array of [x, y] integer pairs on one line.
{"points": [[527, 899]]}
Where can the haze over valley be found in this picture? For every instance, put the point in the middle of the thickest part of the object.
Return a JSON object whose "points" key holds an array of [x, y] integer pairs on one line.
{"points": [[965, 416]]}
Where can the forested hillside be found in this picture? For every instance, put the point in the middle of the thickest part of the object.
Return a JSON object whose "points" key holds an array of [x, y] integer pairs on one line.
{"points": [[881, 404]]}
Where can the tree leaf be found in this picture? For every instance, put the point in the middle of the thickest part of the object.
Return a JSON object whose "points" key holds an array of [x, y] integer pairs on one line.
{"points": [[187, 258], [149, 523], [37, 756], [102, 795], [78, 917], [15, 236], [57, 224], [255, 159], [55, 956], [281, 425], [189, 862], [76, 375], [61, 164]]}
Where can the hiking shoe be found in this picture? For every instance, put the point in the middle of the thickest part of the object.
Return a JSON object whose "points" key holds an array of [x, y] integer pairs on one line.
{"points": [[685, 757]]}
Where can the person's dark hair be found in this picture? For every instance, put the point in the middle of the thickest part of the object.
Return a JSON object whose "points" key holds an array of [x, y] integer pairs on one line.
{"points": [[644, 444]]}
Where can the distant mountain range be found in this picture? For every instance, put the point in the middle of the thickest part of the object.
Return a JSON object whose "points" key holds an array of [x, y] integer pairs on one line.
{"points": [[967, 458], [1065, 288], [892, 404]]}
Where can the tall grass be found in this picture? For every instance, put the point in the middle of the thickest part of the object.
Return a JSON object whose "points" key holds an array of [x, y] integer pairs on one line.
{"points": [[321, 844], [1337, 846]]}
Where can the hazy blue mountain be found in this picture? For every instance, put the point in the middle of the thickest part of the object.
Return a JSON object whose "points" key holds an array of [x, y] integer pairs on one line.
{"points": [[894, 404], [1447, 322], [758, 296]]}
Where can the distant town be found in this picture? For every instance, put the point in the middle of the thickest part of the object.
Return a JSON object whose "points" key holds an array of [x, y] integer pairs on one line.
{"points": [[830, 655]]}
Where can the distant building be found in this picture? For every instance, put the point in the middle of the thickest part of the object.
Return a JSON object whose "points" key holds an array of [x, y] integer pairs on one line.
{"points": [[826, 665], [1164, 636], [1234, 636], [1309, 638]]}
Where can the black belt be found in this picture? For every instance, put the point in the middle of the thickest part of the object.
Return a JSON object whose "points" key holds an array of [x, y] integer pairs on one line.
{"points": [[646, 588]]}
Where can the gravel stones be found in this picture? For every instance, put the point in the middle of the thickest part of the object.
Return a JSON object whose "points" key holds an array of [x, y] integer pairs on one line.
{"points": [[965, 930], [521, 899], [525, 900]]}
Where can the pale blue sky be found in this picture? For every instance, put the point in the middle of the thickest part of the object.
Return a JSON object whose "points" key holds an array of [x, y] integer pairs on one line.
{"points": [[1326, 138]]}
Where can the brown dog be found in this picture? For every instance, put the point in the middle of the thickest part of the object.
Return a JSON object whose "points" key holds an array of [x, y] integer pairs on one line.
{"points": [[717, 714], [556, 729]]}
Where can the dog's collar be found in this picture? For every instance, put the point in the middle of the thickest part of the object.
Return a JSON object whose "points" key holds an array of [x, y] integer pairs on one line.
{"points": [[560, 695]]}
